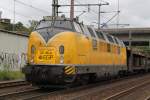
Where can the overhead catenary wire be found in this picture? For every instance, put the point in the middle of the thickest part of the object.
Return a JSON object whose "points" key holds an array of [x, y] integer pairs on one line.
{"points": [[86, 7], [91, 10], [31, 6], [94, 12], [110, 19], [17, 13], [44, 11], [99, 10]]}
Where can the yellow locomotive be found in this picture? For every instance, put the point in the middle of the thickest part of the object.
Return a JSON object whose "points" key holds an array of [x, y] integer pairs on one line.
{"points": [[63, 51]]}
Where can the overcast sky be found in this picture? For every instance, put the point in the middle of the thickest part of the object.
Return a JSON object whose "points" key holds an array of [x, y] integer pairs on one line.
{"points": [[133, 12]]}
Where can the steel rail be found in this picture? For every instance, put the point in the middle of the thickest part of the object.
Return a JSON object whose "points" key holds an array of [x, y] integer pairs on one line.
{"points": [[5, 84], [15, 93], [127, 91], [40, 97]]}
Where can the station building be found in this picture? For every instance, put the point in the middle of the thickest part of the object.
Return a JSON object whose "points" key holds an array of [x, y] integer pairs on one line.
{"points": [[139, 37]]}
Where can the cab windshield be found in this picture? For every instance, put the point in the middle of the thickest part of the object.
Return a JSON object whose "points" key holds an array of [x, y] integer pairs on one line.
{"points": [[48, 29]]}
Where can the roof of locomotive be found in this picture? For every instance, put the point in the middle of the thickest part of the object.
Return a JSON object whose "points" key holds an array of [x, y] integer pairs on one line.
{"points": [[63, 18], [49, 18]]}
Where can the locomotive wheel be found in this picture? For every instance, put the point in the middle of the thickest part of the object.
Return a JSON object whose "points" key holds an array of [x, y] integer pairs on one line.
{"points": [[92, 78], [70, 79], [123, 73], [28, 77], [83, 79]]}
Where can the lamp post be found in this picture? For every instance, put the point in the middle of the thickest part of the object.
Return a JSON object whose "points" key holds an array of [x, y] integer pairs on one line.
{"points": [[131, 51]]}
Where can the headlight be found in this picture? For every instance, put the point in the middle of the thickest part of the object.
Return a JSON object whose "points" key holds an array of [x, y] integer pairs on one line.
{"points": [[61, 49], [32, 49], [32, 53], [61, 59]]}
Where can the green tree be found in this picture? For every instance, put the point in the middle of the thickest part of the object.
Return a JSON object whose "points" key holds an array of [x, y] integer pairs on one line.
{"points": [[33, 24], [19, 27]]}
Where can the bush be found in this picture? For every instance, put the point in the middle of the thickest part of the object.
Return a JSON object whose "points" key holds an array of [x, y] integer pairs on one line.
{"points": [[11, 75]]}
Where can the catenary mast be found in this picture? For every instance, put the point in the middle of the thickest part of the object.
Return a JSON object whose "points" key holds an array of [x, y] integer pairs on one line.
{"points": [[72, 9], [55, 8]]}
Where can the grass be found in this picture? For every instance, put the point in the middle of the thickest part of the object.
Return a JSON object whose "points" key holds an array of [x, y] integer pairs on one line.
{"points": [[11, 75]]}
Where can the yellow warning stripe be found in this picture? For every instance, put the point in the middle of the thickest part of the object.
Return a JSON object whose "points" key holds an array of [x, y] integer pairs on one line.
{"points": [[67, 67], [70, 70]]}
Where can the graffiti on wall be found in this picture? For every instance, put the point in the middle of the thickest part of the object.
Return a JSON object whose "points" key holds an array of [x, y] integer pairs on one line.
{"points": [[10, 61]]}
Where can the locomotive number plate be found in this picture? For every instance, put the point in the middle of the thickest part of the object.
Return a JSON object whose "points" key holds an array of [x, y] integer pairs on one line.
{"points": [[46, 55]]}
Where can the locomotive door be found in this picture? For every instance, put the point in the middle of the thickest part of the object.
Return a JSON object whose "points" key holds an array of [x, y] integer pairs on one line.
{"points": [[82, 43], [83, 50]]}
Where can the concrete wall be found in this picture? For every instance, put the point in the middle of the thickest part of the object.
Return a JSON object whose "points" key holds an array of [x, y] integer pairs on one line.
{"points": [[136, 37], [13, 49]]}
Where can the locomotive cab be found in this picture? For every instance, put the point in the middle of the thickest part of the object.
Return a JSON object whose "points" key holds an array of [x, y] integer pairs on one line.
{"points": [[49, 41], [52, 51]]}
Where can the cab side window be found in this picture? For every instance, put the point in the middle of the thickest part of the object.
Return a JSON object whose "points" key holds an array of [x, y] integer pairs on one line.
{"points": [[100, 35], [108, 47], [110, 38], [86, 30], [77, 27], [91, 32], [116, 40]]}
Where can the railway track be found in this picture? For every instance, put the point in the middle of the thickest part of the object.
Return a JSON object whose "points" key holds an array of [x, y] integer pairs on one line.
{"points": [[26, 94], [14, 87], [57, 92], [19, 90], [119, 95], [83, 92], [76, 94], [15, 95], [109, 92], [39, 94], [6, 84], [112, 90]]}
